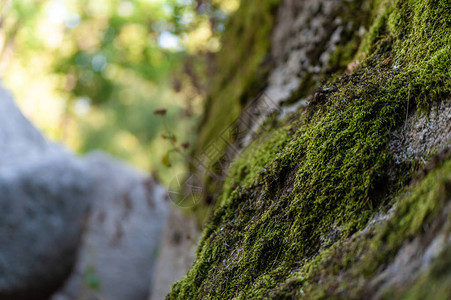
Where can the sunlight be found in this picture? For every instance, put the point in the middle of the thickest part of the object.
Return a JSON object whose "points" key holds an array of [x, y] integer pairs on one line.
{"points": [[95, 69], [170, 41], [56, 11]]}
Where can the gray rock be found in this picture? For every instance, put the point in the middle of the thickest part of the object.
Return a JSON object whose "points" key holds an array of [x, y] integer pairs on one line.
{"points": [[415, 257], [423, 134], [304, 38], [176, 254], [44, 198], [121, 241]]}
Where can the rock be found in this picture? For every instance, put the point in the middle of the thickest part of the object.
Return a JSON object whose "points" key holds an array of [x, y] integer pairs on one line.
{"points": [[44, 198], [415, 257], [176, 253], [121, 241], [423, 134], [302, 50], [302, 213]]}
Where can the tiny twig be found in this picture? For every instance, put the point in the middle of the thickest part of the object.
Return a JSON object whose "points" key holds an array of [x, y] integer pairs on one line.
{"points": [[408, 102]]}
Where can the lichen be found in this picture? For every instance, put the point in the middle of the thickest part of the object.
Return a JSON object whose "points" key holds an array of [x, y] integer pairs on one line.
{"points": [[295, 201]]}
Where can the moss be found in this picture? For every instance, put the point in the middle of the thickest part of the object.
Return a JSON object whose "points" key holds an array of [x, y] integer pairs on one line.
{"points": [[356, 260], [355, 16], [228, 97], [293, 202], [418, 33], [243, 64]]}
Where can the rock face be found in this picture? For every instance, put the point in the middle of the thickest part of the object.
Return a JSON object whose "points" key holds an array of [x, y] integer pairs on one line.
{"points": [[120, 244], [341, 189], [44, 197], [308, 42], [176, 252], [304, 42], [421, 135]]}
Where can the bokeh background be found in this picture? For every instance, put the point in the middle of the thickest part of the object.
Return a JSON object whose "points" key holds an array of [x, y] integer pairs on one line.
{"points": [[90, 74]]}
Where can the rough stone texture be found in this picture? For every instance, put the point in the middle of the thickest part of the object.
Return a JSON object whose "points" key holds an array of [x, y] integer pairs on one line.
{"points": [[290, 222], [423, 134], [176, 253], [121, 241], [415, 257], [303, 29], [305, 36], [44, 197]]}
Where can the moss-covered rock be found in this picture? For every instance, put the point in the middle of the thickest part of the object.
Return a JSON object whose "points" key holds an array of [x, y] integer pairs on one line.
{"points": [[299, 214], [243, 63], [310, 41]]}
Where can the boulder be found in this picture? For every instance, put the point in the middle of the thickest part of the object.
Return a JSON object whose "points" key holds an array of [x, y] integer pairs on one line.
{"points": [[121, 240], [176, 253], [44, 198]]}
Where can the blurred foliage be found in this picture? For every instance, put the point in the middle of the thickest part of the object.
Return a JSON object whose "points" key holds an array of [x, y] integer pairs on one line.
{"points": [[91, 73]]}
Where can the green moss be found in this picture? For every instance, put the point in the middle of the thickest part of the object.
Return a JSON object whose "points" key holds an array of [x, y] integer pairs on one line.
{"points": [[356, 260], [231, 90], [243, 65], [295, 199], [355, 16], [418, 35]]}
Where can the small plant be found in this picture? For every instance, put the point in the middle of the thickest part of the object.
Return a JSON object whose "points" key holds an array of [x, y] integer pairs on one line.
{"points": [[172, 138], [90, 278]]}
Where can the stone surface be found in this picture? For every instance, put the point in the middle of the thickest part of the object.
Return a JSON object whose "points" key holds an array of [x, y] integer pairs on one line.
{"points": [[306, 34], [48, 197], [44, 197], [415, 257], [422, 134], [176, 253], [304, 38], [121, 240], [260, 242]]}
